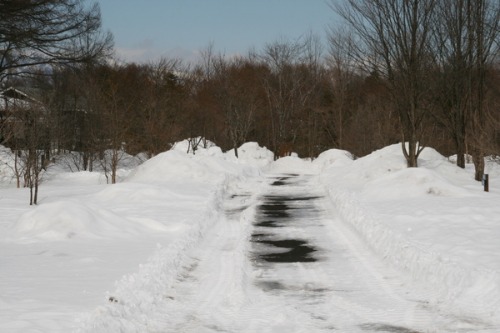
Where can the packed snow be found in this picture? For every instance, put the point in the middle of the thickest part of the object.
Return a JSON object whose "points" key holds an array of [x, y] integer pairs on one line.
{"points": [[172, 239]]}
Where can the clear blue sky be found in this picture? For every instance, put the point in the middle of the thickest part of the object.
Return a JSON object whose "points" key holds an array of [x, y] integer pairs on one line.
{"points": [[144, 30]]}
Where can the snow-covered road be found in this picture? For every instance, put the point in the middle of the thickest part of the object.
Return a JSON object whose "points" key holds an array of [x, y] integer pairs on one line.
{"points": [[280, 261], [211, 243]]}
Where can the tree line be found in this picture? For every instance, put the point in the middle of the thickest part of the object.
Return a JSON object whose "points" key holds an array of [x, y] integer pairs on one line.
{"points": [[418, 72]]}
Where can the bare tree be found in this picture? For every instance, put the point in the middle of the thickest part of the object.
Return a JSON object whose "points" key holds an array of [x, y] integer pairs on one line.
{"points": [[451, 46], [44, 32], [32, 150], [238, 93], [74, 109], [342, 71], [483, 25], [289, 86], [117, 99], [466, 41], [163, 101], [393, 39]]}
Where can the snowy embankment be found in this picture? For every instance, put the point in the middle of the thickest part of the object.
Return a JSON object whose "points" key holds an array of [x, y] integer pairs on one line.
{"points": [[60, 258], [140, 296], [434, 223]]}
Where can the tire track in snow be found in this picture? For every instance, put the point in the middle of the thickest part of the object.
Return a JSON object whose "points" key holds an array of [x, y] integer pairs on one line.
{"points": [[209, 297], [228, 286], [340, 286]]}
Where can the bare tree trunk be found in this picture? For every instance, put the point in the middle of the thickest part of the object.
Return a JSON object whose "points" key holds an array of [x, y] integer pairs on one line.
{"points": [[29, 174], [16, 168], [37, 179], [410, 153], [31, 195], [235, 150], [460, 146], [114, 166], [478, 159]]}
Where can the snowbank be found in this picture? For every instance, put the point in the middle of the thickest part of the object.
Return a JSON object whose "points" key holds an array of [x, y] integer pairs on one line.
{"points": [[67, 219], [207, 165], [411, 183], [90, 234], [203, 147], [144, 292], [434, 223], [418, 220], [333, 158], [457, 288], [164, 178], [251, 153], [173, 165], [141, 296]]}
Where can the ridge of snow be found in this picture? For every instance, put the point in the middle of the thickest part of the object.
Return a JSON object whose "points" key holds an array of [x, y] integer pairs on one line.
{"points": [[147, 291], [137, 292], [460, 289], [382, 179]]}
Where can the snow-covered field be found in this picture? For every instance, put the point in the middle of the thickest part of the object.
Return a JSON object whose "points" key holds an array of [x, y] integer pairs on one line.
{"points": [[167, 248]]}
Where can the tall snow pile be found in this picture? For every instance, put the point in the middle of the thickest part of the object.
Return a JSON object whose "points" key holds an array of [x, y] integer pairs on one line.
{"points": [[66, 219], [63, 219], [251, 153], [174, 165], [180, 174], [434, 222]]}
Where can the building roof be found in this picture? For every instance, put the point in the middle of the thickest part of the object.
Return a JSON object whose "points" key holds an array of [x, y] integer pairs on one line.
{"points": [[12, 97]]}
